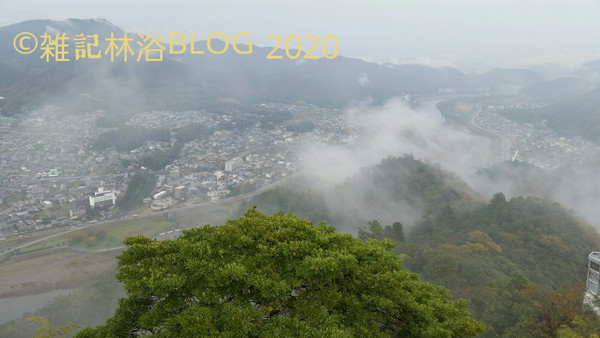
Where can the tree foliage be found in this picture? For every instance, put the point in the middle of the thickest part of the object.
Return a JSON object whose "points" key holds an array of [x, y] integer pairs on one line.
{"points": [[406, 179], [128, 137], [140, 186], [47, 331], [192, 132], [374, 230], [497, 254], [159, 159], [278, 276], [301, 126], [381, 192], [305, 204]]}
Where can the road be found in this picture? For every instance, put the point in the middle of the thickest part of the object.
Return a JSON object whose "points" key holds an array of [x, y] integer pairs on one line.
{"points": [[225, 201], [504, 143]]}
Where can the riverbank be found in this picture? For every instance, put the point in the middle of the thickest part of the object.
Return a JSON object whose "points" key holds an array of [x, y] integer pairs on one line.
{"points": [[462, 114]]}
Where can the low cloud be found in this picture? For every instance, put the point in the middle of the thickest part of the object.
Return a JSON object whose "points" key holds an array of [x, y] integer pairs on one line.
{"points": [[394, 129], [363, 80]]}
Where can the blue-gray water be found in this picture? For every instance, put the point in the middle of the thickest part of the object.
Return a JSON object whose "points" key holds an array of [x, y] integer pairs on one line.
{"points": [[13, 307]]}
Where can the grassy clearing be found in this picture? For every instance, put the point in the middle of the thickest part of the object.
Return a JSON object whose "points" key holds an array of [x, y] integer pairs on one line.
{"points": [[112, 234], [106, 235]]}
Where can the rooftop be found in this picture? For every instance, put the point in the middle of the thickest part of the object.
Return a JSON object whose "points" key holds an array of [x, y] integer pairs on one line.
{"points": [[594, 256]]}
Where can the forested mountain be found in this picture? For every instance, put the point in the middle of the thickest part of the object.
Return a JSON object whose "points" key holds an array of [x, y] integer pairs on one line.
{"points": [[186, 81], [516, 178], [557, 90], [577, 116], [510, 258], [499, 77], [574, 185], [397, 189]]}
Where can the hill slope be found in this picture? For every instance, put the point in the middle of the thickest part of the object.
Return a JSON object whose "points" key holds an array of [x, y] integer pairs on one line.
{"points": [[508, 258], [397, 189], [575, 117]]}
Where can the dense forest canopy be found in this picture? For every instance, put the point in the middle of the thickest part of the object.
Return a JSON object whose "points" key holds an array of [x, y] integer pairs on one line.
{"points": [[521, 262], [277, 275], [481, 251]]}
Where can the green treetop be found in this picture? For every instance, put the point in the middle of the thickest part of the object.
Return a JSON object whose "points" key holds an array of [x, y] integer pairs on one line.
{"points": [[276, 276]]}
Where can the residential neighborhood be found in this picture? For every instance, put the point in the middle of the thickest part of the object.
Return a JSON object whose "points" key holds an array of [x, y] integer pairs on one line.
{"points": [[52, 173]]}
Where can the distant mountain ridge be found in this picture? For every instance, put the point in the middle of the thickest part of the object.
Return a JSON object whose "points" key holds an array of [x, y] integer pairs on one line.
{"points": [[577, 116], [557, 90], [189, 81]]}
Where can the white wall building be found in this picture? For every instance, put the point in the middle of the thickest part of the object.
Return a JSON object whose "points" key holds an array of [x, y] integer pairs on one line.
{"points": [[592, 285], [160, 195], [103, 198]]}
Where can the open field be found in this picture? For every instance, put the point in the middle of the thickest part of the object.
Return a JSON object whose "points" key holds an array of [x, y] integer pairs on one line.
{"points": [[73, 259], [54, 269]]}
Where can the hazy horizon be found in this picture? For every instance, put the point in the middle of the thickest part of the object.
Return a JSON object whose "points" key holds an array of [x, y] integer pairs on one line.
{"points": [[467, 34]]}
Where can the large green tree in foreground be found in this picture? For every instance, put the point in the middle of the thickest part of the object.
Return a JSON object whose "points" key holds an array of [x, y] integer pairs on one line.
{"points": [[276, 276]]}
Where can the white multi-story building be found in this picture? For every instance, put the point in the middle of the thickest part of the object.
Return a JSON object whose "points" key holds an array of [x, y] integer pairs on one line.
{"points": [[103, 198]]}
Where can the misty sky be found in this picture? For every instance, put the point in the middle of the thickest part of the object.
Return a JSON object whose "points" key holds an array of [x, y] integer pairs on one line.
{"points": [[469, 34]]}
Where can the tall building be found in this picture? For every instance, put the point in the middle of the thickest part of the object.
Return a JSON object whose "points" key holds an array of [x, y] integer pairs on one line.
{"points": [[180, 193], [103, 198], [233, 163], [592, 285]]}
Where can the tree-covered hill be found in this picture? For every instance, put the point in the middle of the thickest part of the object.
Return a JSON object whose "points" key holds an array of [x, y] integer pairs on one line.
{"points": [[575, 117], [540, 239], [528, 249], [557, 90], [515, 178], [406, 179], [506, 256], [397, 189]]}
